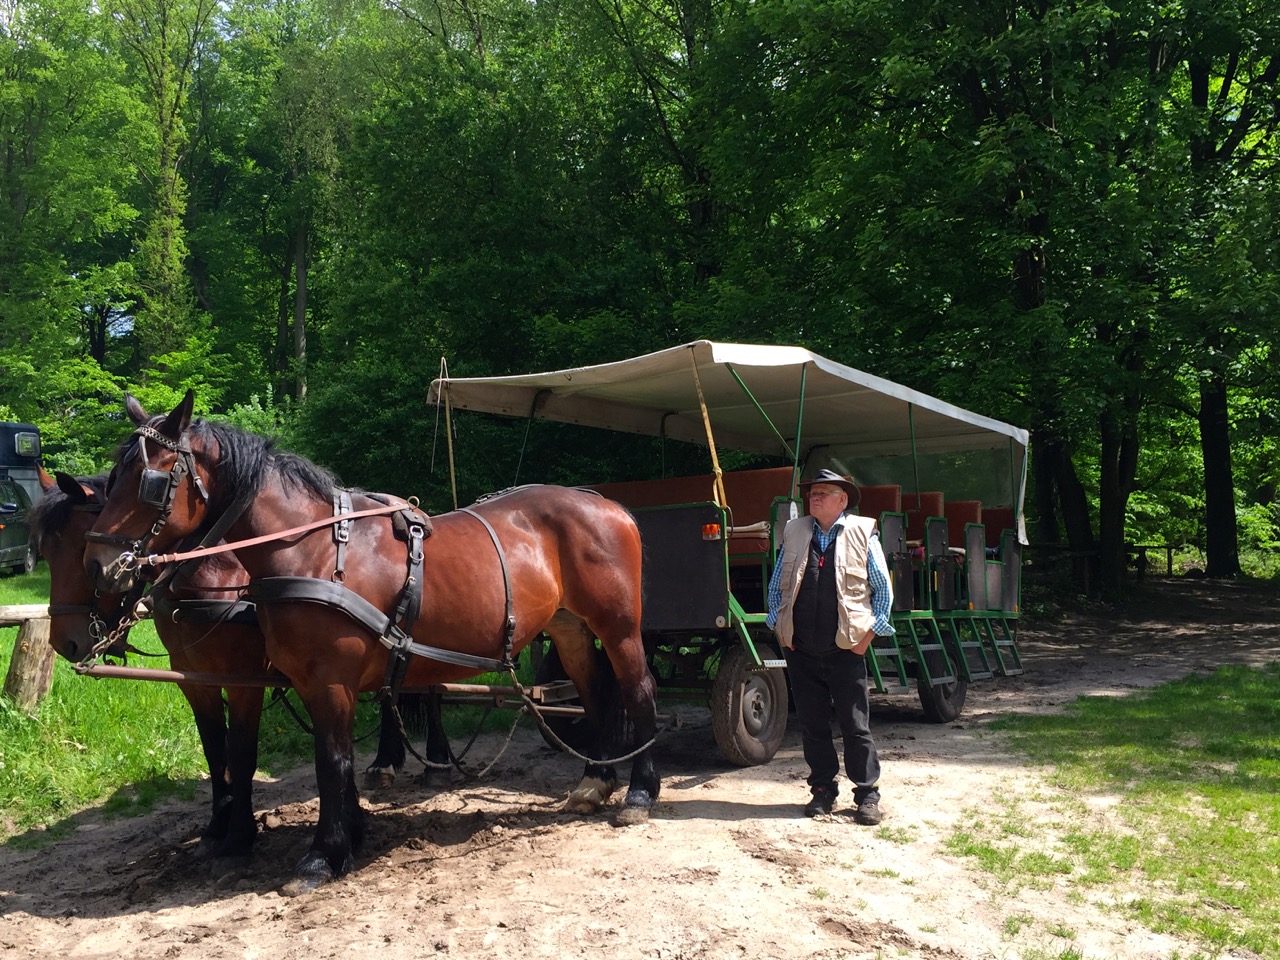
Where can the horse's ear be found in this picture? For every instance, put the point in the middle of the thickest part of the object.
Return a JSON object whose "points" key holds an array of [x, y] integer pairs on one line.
{"points": [[76, 491], [176, 423], [47, 482], [134, 409]]}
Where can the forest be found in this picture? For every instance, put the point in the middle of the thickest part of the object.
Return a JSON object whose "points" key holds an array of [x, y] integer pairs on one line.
{"points": [[1059, 214]]}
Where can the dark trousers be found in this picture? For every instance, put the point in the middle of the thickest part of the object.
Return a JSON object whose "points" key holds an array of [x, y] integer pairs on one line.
{"points": [[835, 683]]}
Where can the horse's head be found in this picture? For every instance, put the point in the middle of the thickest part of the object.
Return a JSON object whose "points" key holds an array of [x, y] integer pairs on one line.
{"points": [[156, 494], [80, 616]]}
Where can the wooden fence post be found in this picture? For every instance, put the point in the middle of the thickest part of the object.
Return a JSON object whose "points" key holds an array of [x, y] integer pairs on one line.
{"points": [[31, 669]]}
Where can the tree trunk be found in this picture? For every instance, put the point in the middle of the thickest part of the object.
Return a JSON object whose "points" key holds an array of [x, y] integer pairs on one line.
{"points": [[1112, 556], [300, 310], [1222, 554], [1046, 496], [284, 346], [1073, 502]]}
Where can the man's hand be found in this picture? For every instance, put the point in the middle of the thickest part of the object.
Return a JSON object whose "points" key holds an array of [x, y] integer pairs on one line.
{"points": [[861, 646]]}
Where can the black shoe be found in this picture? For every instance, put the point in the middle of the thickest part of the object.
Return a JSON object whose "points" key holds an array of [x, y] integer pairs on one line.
{"points": [[821, 803], [868, 813]]}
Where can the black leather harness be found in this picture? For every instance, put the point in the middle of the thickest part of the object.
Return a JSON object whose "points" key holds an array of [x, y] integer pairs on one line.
{"points": [[392, 630]]}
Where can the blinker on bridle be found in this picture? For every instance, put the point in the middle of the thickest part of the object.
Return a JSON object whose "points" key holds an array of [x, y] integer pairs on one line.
{"points": [[157, 489], [103, 636]]}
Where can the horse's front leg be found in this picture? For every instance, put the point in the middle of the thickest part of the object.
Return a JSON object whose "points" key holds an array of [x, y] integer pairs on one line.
{"points": [[412, 709], [438, 757], [382, 772], [341, 827], [244, 715], [206, 706]]}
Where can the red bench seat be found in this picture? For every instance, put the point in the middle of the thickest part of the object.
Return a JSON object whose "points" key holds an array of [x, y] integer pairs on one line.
{"points": [[750, 495]]}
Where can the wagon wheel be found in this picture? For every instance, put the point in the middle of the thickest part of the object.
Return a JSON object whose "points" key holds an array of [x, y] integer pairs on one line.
{"points": [[942, 702], [748, 706]]}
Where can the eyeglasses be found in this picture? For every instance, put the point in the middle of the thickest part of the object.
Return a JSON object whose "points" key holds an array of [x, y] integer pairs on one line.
{"points": [[822, 496]]}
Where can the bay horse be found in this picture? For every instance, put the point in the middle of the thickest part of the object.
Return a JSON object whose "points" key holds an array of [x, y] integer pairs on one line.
{"points": [[205, 628], [486, 581]]}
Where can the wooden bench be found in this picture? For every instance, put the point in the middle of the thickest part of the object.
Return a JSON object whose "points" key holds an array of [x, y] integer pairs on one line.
{"points": [[918, 509], [997, 520], [959, 514], [874, 501]]}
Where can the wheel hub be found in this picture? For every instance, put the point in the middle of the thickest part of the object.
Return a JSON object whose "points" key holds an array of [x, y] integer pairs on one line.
{"points": [[757, 705]]}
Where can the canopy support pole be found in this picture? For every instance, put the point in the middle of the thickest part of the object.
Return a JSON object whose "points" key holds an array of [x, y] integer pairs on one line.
{"points": [[795, 464], [750, 396], [915, 457], [711, 440], [448, 429]]}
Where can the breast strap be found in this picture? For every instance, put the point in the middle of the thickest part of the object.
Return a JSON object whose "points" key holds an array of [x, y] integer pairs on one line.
{"points": [[337, 596]]}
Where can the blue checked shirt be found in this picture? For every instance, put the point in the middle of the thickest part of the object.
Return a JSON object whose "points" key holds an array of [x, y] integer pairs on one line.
{"points": [[877, 580]]}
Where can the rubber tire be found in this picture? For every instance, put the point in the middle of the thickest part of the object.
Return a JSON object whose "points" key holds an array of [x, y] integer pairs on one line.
{"points": [[574, 731], [748, 707], [943, 702]]}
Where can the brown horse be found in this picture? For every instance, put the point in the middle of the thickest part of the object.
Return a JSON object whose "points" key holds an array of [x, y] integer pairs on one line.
{"points": [[205, 628], [491, 579]]}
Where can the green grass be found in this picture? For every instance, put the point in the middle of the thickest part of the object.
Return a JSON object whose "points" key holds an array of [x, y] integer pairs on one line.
{"points": [[128, 744], [1187, 777]]}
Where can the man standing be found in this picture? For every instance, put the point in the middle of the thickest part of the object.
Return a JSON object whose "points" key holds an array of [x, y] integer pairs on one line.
{"points": [[829, 597]]}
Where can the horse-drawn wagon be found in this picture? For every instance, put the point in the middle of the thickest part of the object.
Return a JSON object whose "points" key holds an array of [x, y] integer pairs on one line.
{"points": [[946, 485], [671, 589]]}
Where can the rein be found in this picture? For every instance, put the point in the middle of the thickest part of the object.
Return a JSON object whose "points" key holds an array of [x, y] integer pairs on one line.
{"points": [[129, 561]]}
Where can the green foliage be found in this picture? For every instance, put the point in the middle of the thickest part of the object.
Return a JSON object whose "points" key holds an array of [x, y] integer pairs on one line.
{"points": [[262, 416], [1260, 526], [1061, 216]]}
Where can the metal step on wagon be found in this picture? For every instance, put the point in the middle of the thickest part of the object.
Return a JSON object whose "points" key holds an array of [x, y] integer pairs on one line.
{"points": [[946, 485]]}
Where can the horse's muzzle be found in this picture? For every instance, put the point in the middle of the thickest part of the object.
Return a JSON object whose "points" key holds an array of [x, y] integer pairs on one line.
{"points": [[113, 576]]}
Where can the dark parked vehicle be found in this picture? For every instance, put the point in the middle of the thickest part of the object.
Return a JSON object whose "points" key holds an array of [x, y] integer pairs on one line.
{"points": [[17, 555]]}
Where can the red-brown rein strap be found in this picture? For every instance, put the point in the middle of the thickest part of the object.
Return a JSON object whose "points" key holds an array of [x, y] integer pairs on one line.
{"points": [[156, 559]]}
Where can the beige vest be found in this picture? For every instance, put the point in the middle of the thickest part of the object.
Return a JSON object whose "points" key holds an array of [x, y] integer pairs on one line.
{"points": [[854, 601]]}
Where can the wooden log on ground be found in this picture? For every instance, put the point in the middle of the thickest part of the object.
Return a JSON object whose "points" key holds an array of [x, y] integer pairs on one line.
{"points": [[31, 668]]}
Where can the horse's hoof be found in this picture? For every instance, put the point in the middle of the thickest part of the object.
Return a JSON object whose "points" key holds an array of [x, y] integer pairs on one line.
{"points": [[635, 809], [380, 778], [590, 795], [432, 778], [310, 875], [630, 816]]}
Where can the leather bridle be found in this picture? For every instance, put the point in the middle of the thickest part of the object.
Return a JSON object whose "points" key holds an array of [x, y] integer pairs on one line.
{"points": [[103, 632], [156, 488]]}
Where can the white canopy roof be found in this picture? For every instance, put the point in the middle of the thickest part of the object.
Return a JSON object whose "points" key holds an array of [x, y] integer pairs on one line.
{"points": [[657, 394]]}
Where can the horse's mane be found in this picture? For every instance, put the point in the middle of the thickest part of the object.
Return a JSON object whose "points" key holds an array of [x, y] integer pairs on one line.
{"points": [[248, 458], [52, 511], [244, 462]]}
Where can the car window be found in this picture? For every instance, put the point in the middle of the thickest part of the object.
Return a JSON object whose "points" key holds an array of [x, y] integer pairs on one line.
{"points": [[10, 492]]}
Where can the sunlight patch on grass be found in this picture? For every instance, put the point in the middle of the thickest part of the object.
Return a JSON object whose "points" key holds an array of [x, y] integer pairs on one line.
{"points": [[1170, 799]]}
